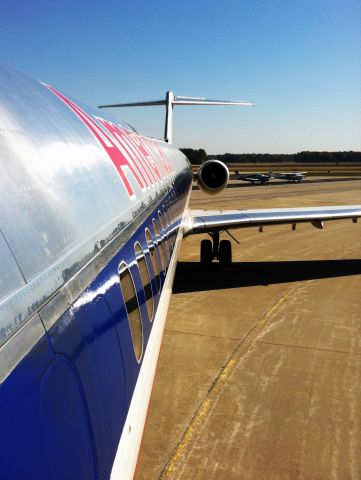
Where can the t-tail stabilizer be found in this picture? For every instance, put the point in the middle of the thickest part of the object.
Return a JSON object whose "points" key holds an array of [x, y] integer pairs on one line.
{"points": [[171, 100]]}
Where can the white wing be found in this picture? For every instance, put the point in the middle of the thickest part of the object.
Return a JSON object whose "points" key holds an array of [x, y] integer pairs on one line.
{"points": [[201, 221]]}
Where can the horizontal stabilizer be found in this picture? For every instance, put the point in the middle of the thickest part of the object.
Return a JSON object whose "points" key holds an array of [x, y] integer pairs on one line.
{"points": [[151, 103], [204, 101], [179, 101], [171, 100]]}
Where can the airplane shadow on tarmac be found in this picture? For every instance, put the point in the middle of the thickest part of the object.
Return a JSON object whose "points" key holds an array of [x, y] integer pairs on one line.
{"points": [[283, 182], [194, 277]]}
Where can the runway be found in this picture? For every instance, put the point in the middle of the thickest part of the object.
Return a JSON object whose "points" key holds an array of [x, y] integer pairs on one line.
{"points": [[259, 371]]}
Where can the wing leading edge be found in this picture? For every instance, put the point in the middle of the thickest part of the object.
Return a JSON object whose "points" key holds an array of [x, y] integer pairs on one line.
{"points": [[203, 221]]}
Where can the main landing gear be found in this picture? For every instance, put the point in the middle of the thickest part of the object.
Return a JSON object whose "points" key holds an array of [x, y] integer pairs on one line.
{"points": [[222, 250]]}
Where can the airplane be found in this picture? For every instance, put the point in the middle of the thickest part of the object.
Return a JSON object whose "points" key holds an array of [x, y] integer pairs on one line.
{"points": [[92, 216], [289, 176], [254, 178]]}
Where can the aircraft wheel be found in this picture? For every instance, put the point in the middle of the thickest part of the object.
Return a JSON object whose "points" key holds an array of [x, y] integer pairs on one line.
{"points": [[225, 252], [206, 252]]}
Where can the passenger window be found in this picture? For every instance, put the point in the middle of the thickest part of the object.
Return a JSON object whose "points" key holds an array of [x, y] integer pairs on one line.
{"points": [[174, 209], [167, 214], [160, 245], [176, 205], [174, 217], [177, 209], [168, 223], [132, 307], [144, 275], [174, 229], [162, 226], [171, 226], [153, 258], [180, 209]]}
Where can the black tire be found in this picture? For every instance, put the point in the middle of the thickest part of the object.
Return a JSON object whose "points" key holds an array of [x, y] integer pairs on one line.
{"points": [[206, 252], [225, 252]]}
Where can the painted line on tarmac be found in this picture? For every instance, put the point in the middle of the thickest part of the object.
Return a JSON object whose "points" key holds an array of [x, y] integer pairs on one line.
{"points": [[186, 443]]}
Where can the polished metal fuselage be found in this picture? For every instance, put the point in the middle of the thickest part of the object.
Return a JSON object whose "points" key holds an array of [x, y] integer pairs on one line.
{"points": [[66, 207]]}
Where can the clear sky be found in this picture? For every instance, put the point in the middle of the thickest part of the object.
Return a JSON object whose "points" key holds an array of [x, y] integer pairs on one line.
{"points": [[299, 60]]}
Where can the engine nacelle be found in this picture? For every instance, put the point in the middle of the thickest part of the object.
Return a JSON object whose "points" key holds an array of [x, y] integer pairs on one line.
{"points": [[213, 176]]}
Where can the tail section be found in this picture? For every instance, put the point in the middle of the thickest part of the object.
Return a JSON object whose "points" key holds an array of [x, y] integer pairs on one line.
{"points": [[169, 102]]}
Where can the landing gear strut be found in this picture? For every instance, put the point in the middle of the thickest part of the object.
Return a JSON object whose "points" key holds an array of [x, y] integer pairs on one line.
{"points": [[222, 250]]}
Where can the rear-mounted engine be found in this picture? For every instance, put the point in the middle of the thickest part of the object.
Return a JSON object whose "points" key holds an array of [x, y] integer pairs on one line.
{"points": [[213, 176]]}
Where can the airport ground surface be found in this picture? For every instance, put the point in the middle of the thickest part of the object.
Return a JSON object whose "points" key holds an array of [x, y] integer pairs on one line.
{"points": [[259, 375]]}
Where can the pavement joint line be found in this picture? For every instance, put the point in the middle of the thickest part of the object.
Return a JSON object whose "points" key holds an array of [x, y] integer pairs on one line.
{"points": [[305, 347], [206, 406], [172, 330]]}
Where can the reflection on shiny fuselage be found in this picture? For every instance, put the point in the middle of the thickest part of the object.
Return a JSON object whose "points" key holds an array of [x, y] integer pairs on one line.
{"points": [[73, 329]]}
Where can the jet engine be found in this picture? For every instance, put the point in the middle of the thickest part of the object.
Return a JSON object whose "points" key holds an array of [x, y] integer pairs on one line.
{"points": [[213, 176]]}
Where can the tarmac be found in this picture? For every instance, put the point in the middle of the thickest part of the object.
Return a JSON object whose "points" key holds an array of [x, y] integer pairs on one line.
{"points": [[259, 375]]}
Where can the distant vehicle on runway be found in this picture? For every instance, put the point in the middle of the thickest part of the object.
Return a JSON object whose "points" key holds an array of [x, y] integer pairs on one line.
{"points": [[254, 178], [289, 176]]}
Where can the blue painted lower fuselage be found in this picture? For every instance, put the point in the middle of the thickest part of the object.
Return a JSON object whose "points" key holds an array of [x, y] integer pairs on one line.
{"points": [[64, 405]]}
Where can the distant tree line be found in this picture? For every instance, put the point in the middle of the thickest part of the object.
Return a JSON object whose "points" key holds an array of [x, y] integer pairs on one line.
{"points": [[196, 157], [199, 156]]}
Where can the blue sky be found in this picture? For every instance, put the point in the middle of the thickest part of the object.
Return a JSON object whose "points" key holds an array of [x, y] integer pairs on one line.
{"points": [[300, 61]]}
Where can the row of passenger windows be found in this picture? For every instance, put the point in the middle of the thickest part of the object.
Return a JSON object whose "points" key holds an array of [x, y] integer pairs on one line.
{"points": [[160, 244]]}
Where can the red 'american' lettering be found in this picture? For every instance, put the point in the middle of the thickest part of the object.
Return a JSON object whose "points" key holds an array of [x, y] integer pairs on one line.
{"points": [[126, 150]]}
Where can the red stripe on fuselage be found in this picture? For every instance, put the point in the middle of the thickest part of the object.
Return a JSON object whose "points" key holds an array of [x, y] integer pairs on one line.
{"points": [[126, 150], [117, 134]]}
